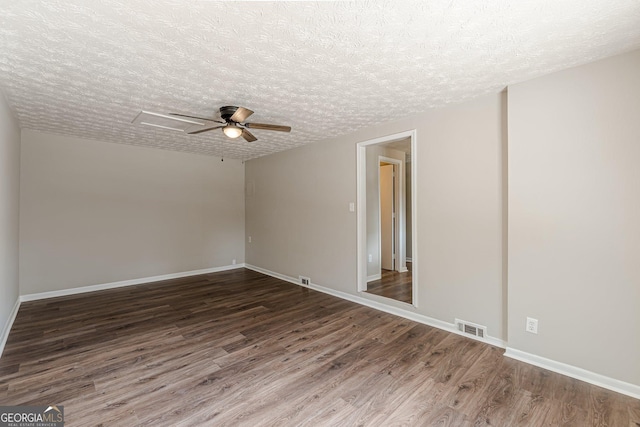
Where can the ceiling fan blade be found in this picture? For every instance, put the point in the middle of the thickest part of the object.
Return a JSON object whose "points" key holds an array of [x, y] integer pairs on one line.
{"points": [[265, 126], [248, 136], [204, 130], [194, 117], [241, 115]]}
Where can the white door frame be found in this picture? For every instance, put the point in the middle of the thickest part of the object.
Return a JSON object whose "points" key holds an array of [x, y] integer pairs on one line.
{"points": [[361, 174]]}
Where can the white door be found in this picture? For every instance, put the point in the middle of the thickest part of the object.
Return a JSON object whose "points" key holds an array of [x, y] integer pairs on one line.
{"points": [[387, 238]]}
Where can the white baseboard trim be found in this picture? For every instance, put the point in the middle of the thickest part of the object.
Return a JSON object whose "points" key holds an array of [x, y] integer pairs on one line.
{"points": [[374, 277], [416, 317], [123, 283], [274, 274], [8, 325], [575, 372]]}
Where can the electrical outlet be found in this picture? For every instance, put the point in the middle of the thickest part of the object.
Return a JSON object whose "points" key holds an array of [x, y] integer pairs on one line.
{"points": [[233, 262], [304, 280], [249, 239], [370, 258], [532, 325]]}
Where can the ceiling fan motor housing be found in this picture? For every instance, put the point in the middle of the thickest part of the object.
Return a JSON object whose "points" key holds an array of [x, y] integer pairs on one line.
{"points": [[227, 111]]}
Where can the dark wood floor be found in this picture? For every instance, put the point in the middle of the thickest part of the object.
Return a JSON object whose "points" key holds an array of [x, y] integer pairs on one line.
{"points": [[241, 348], [394, 285]]}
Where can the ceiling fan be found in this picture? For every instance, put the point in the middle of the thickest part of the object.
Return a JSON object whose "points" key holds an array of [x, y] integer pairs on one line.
{"points": [[234, 124]]}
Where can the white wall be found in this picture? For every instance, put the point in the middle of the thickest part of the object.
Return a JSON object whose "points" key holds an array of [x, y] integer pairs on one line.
{"points": [[574, 216], [9, 214], [95, 212], [301, 225]]}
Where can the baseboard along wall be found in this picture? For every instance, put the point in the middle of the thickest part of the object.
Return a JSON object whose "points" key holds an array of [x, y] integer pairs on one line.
{"points": [[575, 372], [7, 327], [123, 283]]}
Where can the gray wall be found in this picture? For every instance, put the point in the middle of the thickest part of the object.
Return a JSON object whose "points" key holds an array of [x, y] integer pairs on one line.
{"points": [[300, 223], [9, 213], [94, 212], [574, 216], [298, 216]]}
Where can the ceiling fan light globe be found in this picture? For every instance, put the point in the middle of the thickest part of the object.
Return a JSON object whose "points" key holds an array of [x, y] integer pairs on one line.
{"points": [[232, 131]]}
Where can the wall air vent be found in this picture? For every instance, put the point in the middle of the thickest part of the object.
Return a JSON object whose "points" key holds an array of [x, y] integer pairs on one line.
{"points": [[471, 328], [305, 281]]}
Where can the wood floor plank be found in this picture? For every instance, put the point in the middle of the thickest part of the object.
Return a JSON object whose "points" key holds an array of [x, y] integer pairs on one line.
{"points": [[565, 414], [474, 382], [633, 414], [416, 407], [394, 285], [239, 348], [530, 410]]}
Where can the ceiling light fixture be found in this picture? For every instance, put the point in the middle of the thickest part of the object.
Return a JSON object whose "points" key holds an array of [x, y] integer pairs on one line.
{"points": [[232, 131]]}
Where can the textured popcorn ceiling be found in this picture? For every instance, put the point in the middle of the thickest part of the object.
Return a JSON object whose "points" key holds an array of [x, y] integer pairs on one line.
{"points": [[87, 68]]}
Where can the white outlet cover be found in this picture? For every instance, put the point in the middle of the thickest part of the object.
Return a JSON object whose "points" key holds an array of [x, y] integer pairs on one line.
{"points": [[532, 325]]}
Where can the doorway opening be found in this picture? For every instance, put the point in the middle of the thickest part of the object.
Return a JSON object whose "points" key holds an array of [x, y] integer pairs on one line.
{"points": [[386, 217], [392, 219]]}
